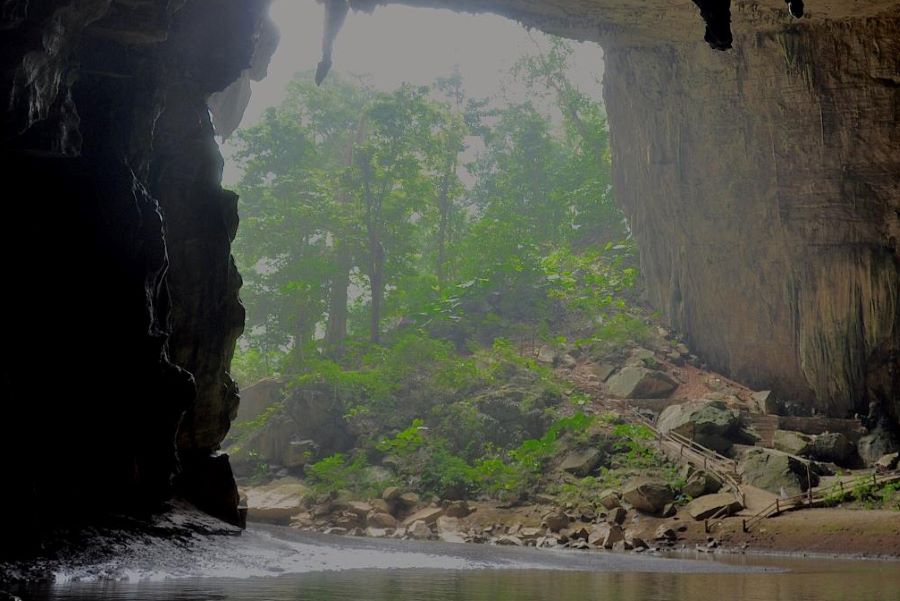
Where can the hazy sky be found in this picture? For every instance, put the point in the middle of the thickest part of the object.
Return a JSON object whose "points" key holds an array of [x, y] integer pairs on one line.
{"points": [[399, 44]]}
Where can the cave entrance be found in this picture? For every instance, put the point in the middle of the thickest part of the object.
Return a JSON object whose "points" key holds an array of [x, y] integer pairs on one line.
{"points": [[443, 199]]}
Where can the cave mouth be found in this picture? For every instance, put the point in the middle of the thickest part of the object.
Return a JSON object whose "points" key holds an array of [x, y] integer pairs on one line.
{"points": [[127, 280]]}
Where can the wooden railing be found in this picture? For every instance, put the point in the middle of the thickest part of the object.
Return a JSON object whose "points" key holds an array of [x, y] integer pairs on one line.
{"points": [[684, 450], [817, 497]]}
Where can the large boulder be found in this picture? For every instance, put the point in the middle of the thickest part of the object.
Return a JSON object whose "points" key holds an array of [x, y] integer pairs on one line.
{"points": [[700, 483], [719, 505], [795, 443], [276, 501], [887, 463], [258, 397], [648, 495], [776, 472], [635, 382], [834, 447], [877, 444], [709, 423], [581, 462]]}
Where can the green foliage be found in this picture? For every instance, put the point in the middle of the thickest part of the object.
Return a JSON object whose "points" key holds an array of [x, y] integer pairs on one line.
{"points": [[337, 473]]}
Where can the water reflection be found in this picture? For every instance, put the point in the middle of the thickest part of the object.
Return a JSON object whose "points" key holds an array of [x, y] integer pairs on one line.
{"points": [[821, 580]]}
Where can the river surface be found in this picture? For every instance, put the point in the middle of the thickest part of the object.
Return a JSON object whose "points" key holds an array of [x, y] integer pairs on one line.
{"points": [[276, 564]]}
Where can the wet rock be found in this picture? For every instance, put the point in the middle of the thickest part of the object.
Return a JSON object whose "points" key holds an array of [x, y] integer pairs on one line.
{"points": [[710, 423], [774, 472], [719, 505], [507, 540], [795, 443], [336, 531], [581, 462], [648, 495], [622, 546], [633, 382], [530, 533], [373, 532], [887, 463]]}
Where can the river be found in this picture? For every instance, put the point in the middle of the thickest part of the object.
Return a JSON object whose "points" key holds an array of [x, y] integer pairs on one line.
{"points": [[279, 564]]}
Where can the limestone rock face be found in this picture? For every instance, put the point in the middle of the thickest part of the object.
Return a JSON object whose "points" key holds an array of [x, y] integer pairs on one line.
{"points": [[128, 275]]}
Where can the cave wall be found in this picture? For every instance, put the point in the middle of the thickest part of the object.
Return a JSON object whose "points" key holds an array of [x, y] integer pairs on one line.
{"points": [[763, 188], [121, 296]]}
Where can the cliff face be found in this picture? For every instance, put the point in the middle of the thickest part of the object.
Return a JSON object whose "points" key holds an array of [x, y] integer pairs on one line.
{"points": [[121, 297], [762, 188]]}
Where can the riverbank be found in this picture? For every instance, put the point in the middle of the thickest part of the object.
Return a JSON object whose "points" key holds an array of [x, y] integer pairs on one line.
{"points": [[829, 532]]}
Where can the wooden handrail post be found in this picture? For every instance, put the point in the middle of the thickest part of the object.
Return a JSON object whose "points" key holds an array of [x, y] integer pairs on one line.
{"points": [[777, 506]]}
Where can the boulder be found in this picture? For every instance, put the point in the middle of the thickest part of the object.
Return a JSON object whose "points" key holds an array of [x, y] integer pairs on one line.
{"points": [[448, 530], [719, 505], [834, 447], [776, 472], [508, 541], [276, 501], [429, 515], [408, 499], [609, 499], [700, 483], [875, 445], [795, 443], [391, 493], [603, 371], [382, 506], [709, 423], [581, 462], [617, 515], [766, 402], [377, 519], [555, 520], [887, 463], [664, 532], [258, 397], [606, 535], [647, 495], [634, 382], [546, 354], [457, 509], [298, 453], [373, 532], [419, 530]]}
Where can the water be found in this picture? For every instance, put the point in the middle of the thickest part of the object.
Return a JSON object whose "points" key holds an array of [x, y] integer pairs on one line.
{"points": [[322, 569]]}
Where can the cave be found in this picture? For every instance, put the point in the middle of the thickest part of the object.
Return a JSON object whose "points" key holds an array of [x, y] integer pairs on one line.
{"points": [[762, 184]]}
